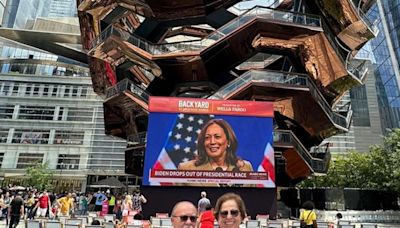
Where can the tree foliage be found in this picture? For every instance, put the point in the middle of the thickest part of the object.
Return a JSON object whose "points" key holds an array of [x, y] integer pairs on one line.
{"points": [[39, 176], [378, 169]]}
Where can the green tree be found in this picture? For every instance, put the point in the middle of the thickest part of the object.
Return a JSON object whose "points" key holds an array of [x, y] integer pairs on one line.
{"points": [[39, 176], [378, 169]]}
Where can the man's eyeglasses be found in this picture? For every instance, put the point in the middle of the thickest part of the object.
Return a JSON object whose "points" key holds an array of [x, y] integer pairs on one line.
{"points": [[224, 214], [184, 218]]}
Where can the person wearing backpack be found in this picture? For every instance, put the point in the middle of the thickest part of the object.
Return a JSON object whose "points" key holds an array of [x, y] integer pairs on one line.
{"points": [[308, 217]]}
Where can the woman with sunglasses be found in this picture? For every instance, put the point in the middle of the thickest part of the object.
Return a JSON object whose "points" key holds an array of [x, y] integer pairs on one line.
{"points": [[230, 210]]}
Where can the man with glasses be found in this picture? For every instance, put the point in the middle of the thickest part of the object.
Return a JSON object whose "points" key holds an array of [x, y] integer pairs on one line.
{"points": [[184, 215]]}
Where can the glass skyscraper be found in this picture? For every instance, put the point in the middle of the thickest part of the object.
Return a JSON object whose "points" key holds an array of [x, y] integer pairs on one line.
{"points": [[376, 105], [21, 13], [386, 51]]}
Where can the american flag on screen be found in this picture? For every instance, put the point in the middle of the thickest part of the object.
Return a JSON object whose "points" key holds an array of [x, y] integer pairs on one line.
{"points": [[268, 165], [181, 144]]}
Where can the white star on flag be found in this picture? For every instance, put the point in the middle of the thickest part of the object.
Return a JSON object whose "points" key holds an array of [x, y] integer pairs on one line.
{"points": [[177, 147], [178, 136], [187, 149], [189, 129], [191, 118], [179, 125], [188, 139], [181, 116]]}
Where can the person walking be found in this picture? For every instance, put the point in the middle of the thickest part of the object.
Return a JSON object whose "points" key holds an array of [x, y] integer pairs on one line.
{"points": [[126, 208], [16, 210], [43, 204], [111, 203], [100, 197], [137, 201], [203, 202], [83, 204], [308, 217], [66, 204], [6, 204]]}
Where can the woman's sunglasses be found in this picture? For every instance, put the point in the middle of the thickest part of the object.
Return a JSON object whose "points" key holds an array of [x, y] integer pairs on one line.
{"points": [[184, 218], [224, 214]]}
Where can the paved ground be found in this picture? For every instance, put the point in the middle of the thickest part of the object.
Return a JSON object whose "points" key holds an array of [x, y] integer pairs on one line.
{"points": [[20, 225]]}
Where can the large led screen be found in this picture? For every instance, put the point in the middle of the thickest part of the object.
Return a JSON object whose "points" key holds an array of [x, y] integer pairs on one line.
{"points": [[200, 142]]}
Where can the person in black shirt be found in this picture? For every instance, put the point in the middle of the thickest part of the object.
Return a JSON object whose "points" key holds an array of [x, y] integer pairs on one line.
{"points": [[16, 210]]}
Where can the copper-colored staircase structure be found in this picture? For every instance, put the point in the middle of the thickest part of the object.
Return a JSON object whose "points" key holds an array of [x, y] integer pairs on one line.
{"points": [[296, 54]]}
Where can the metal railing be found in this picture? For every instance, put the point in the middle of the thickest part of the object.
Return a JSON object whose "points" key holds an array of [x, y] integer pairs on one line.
{"points": [[127, 84], [345, 55], [298, 80], [217, 35], [321, 165], [358, 68], [372, 26], [357, 71], [103, 36], [286, 137]]}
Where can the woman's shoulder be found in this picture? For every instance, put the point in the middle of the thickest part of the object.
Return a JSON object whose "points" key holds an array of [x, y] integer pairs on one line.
{"points": [[187, 165], [191, 165], [244, 165]]}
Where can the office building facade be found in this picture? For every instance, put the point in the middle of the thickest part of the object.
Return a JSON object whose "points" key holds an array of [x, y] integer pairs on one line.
{"points": [[49, 113]]}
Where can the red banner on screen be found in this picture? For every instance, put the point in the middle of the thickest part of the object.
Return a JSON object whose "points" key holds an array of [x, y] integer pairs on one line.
{"points": [[203, 176], [206, 106]]}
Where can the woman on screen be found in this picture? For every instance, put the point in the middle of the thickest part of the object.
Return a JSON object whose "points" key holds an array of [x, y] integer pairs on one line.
{"points": [[216, 146]]}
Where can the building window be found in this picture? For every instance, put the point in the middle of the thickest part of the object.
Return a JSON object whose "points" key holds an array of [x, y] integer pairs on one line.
{"points": [[26, 160], [80, 114], [3, 135], [15, 89], [46, 90], [6, 111], [28, 90], [55, 90], [36, 90], [74, 91], [69, 137], [68, 161], [5, 88], [84, 92], [67, 91], [36, 113], [31, 136]]}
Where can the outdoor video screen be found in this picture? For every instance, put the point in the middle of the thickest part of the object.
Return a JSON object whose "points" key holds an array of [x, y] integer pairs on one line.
{"points": [[213, 143]]}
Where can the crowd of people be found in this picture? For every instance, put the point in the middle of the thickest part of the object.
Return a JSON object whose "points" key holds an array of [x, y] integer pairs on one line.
{"points": [[31, 204], [229, 210]]}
